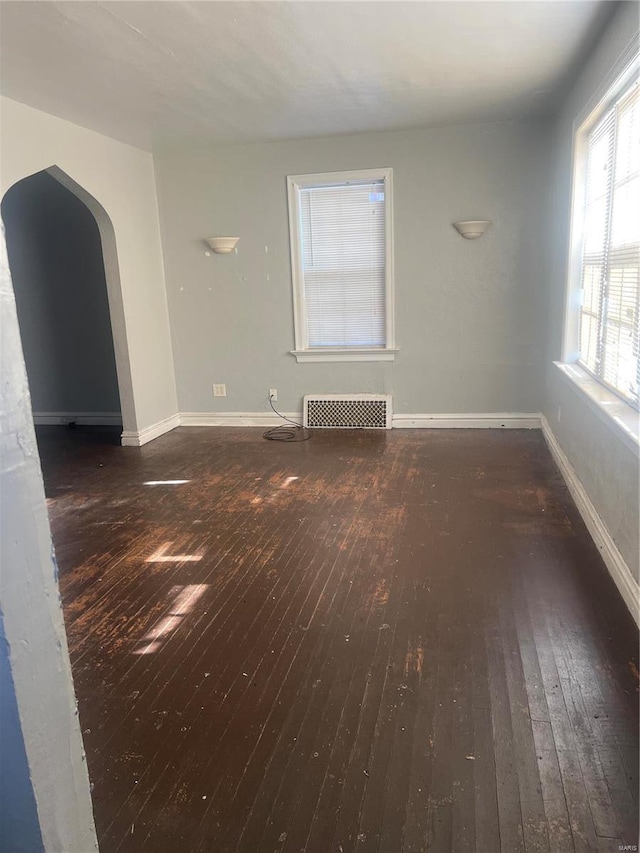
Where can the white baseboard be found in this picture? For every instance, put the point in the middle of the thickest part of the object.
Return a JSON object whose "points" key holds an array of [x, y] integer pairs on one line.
{"points": [[236, 419], [491, 420], [80, 418], [499, 420], [137, 439], [613, 559]]}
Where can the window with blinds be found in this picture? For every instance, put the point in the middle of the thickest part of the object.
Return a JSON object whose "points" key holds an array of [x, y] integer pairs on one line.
{"points": [[340, 239], [610, 311]]}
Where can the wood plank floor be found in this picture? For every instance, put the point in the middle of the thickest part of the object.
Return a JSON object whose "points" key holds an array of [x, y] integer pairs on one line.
{"points": [[370, 641]]}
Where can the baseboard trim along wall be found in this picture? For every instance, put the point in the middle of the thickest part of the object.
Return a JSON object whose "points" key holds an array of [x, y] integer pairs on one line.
{"points": [[80, 418], [491, 420], [236, 419], [613, 559], [144, 436], [498, 420]]}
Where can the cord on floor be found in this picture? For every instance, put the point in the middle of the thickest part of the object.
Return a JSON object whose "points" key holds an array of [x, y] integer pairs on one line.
{"points": [[289, 431]]}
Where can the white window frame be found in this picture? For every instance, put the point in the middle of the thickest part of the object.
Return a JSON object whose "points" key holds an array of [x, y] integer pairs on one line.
{"points": [[619, 413], [303, 352]]}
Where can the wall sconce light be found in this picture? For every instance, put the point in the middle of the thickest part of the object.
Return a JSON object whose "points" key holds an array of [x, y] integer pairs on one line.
{"points": [[471, 229], [222, 245]]}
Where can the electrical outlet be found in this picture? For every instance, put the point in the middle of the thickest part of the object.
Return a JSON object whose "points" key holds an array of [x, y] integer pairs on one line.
{"points": [[273, 394], [219, 390]]}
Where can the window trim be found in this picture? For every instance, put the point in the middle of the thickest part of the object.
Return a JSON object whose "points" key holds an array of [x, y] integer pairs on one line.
{"points": [[621, 76], [302, 351]]}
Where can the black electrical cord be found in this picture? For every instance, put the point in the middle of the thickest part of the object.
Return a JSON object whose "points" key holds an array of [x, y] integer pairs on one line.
{"points": [[291, 431]]}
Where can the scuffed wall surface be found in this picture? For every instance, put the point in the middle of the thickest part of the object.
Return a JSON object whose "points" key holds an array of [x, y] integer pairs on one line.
{"points": [[608, 469], [32, 613]]}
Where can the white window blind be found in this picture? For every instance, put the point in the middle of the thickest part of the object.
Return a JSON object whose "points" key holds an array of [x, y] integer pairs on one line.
{"points": [[342, 259], [610, 312]]}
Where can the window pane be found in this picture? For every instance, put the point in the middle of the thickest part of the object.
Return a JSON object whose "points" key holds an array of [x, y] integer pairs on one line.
{"points": [[595, 227], [621, 363], [589, 340], [625, 214], [620, 367], [599, 161], [609, 321], [592, 287], [342, 231], [628, 136]]}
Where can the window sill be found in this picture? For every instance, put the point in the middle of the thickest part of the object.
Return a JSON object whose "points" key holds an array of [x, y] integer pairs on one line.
{"points": [[619, 416], [307, 355]]}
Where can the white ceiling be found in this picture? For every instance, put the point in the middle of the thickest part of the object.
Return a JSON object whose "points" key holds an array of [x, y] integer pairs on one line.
{"points": [[161, 73]]}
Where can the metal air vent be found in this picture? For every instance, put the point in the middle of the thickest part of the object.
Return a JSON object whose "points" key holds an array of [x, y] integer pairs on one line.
{"points": [[347, 411]]}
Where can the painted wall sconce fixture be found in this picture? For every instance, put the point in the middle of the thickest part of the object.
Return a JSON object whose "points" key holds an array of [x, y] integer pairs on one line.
{"points": [[471, 229], [222, 245]]}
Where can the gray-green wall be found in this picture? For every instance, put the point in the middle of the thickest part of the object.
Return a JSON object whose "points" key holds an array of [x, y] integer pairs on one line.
{"points": [[468, 313]]}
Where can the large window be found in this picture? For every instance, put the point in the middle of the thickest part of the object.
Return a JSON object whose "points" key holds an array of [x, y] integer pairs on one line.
{"points": [[341, 254], [609, 314]]}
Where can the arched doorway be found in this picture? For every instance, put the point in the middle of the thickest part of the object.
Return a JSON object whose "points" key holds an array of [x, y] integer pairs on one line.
{"points": [[63, 259]]}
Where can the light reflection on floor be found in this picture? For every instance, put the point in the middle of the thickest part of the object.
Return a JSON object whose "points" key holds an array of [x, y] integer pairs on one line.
{"points": [[165, 482], [288, 482], [185, 599], [161, 556]]}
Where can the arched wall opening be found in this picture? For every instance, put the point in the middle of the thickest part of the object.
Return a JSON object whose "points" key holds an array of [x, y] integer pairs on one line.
{"points": [[63, 258]]}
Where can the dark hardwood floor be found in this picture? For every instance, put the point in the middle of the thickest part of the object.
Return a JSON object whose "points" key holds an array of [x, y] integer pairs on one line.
{"points": [[370, 641]]}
